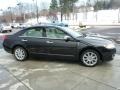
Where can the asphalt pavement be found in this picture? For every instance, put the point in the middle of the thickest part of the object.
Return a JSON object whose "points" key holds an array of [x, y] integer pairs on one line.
{"points": [[111, 31]]}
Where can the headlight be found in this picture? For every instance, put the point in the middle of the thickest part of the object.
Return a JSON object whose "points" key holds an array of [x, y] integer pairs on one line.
{"points": [[110, 46]]}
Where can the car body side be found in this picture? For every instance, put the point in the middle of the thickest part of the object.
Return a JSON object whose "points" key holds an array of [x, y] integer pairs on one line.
{"points": [[105, 54]]}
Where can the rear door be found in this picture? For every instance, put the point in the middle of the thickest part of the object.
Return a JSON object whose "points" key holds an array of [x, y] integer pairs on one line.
{"points": [[34, 40]]}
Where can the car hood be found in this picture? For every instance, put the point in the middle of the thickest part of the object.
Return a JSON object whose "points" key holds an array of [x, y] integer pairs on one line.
{"points": [[97, 41]]}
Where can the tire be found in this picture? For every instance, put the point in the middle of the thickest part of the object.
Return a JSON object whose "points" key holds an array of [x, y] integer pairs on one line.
{"points": [[2, 31], [10, 30], [90, 58], [20, 53]]}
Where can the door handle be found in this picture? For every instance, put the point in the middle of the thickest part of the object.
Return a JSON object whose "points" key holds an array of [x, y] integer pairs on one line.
{"points": [[49, 42], [24, 40]]}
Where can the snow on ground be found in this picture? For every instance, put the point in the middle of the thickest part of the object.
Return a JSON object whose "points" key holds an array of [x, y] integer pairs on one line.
{"points": [[34, 20], [104, 17]]}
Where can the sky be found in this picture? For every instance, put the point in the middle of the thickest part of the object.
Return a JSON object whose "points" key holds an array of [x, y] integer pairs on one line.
{"points": [[4, 4]]}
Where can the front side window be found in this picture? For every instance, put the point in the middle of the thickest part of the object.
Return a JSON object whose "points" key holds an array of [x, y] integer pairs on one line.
{"points": [[55, 33], [34, 32]]}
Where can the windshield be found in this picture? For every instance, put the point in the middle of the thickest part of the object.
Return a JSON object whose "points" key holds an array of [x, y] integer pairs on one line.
{"points": [[72, 32]]}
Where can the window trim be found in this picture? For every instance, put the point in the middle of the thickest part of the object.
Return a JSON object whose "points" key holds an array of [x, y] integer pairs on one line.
{"points": [[44, 28]]}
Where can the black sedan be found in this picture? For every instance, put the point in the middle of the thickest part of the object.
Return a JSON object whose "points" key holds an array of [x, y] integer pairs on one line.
{"points": [[59, 42]]}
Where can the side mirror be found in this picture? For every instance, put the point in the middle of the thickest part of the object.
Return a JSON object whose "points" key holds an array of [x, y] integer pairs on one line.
{"points": [[67, 38]]}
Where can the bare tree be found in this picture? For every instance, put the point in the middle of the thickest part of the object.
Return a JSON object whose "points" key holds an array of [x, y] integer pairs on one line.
{"points": [[36, 5], [10, 10]]}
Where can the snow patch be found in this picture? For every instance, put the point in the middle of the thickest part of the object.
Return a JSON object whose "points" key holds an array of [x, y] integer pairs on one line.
{"points": [[15, 86], [57, 69]]}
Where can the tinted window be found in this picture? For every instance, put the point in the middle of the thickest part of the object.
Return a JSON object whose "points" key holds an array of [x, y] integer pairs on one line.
{"points": [[34, 32], [55, 33]]}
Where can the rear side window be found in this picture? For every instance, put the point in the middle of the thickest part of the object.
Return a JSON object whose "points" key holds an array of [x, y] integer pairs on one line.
{"points": [[34, 32]]}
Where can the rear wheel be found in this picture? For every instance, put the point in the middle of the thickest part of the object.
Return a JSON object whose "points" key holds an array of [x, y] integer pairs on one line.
{"points": [[20, 53], [10, 30], [90, 58]]}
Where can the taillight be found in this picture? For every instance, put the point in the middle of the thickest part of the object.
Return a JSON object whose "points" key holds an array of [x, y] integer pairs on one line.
{"points": [[5, 37]]}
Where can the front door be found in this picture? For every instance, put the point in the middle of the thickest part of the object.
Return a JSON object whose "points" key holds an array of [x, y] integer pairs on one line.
{"points": [[57, 46]]}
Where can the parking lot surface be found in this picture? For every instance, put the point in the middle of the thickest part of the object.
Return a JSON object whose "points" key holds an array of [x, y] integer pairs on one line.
{"points": [[40, 74]]}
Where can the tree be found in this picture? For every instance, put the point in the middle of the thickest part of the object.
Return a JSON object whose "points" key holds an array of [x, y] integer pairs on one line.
{"points": [[88, 3], [115, 4], [53, 10], [66, 7], [104, 4], [54, 5], [87, 6], [101, 5]]}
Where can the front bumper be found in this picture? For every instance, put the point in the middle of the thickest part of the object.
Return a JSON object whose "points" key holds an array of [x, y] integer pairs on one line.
{"points": [[107, 54]]}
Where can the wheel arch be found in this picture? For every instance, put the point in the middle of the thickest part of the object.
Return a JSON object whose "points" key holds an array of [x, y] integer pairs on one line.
{"points": [[18, 45], [90, 48]]}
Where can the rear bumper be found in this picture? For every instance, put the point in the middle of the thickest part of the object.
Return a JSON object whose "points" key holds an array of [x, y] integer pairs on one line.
{"points": [[7, 49]]}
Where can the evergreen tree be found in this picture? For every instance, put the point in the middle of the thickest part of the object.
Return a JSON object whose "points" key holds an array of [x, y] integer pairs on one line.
{"points": [[53, 5], [66, 6], [53, 10]]}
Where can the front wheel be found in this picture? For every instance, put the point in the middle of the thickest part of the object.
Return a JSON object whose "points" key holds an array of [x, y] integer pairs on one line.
{"points": [[20, 54], [90, 58]]}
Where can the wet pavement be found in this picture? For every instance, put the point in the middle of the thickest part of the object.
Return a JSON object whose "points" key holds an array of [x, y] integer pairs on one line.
{"points": [[40, 74], [112, 32]]}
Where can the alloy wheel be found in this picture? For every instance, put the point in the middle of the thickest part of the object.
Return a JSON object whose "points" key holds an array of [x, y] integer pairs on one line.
{"points": [[90, 58], [20, 53]]}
